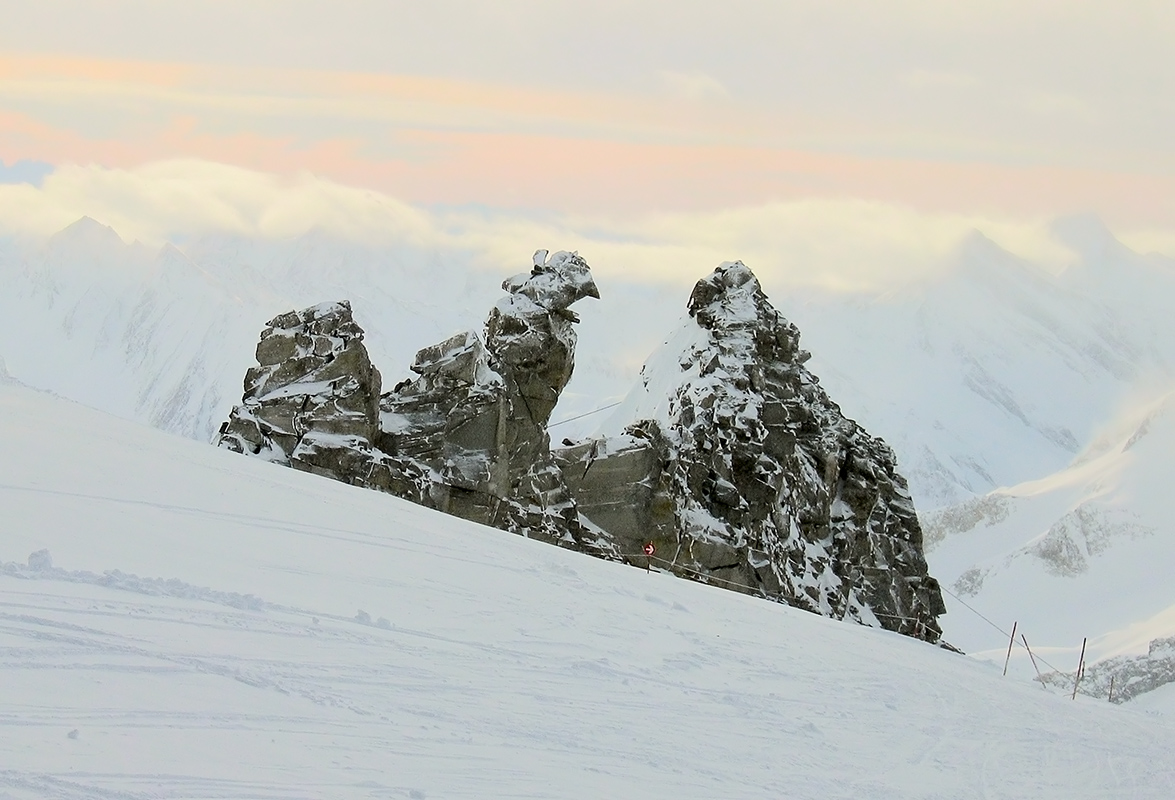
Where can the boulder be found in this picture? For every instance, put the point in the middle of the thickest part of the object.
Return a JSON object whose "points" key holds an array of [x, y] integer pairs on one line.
{"points": [[312, 400]]}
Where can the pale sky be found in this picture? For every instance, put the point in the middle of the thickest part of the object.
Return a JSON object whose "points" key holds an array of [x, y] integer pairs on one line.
{"points": [[1009, 112]]}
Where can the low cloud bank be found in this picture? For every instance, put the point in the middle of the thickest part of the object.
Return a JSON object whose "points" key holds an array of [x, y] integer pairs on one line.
{"points": [[837, 244]]}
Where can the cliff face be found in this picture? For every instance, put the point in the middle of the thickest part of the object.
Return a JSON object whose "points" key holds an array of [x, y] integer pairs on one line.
{"points": [[735, 465], [740, 471]]}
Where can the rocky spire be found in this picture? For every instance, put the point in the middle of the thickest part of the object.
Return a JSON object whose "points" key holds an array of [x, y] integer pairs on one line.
{"points": [[745, 474], [477, 414]]}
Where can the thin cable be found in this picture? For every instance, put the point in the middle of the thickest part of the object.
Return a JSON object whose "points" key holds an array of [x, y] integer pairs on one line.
{"points": [[1039, 657], [586, 414], [973, 611], [759, 590]]}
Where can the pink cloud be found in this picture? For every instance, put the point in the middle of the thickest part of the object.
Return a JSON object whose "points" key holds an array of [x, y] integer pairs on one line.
{"points": [[536, 149]]}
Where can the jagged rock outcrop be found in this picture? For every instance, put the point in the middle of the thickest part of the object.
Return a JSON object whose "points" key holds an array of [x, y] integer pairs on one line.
{"points": [[742, 472], [468, 436], [736, 466], [312, 400], [477, 414]]}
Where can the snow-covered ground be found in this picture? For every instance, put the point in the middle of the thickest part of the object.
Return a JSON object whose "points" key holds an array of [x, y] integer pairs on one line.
{"points": [[214, 626]]}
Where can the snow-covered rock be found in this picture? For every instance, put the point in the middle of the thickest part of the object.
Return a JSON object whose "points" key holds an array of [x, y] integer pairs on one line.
{"points": [[468, 436], [1122, 678], [476, 417], [312, 401], [749, 478], [732, 463]]}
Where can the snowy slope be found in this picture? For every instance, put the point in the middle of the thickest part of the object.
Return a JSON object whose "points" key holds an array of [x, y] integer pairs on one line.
{"points": [[213, 626], [1085, 552]]}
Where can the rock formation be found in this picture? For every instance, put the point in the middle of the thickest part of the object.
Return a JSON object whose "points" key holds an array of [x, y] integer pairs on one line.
{"points": [[477, 416], [735, 465], [741, 472], [1122, 678], [312, 400], [468, 436]]}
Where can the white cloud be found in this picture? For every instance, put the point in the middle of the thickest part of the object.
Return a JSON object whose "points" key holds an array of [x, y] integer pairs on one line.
{"points": [[159, 201], [1035, 68], [930, 79], [837, 244], [1161, 242]]}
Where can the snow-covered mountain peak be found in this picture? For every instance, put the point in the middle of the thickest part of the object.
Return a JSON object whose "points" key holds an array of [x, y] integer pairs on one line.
{"points": [[86, 232], [1090, 239]]}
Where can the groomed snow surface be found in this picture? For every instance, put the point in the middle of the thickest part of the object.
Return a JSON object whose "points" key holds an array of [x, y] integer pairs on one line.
{"points": [[271, 634]]}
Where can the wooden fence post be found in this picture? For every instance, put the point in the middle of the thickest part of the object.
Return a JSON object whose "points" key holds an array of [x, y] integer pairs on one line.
{"points": [[1080, 669], [1011, 641], [1029, 649]]}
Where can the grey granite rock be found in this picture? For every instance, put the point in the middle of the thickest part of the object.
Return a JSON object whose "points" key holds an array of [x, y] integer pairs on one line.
{"points": [[476, 417], [742, 473], [747, 475], [312, 400], [467, 436]]}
